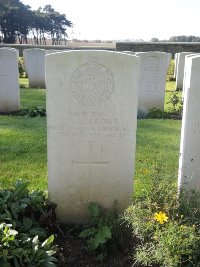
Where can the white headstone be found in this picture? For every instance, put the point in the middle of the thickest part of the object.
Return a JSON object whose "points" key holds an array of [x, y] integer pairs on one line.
{"points": [[176, 56], [9, 80], [187, 70], [154, 67], [180, 70], [91, 118], [189, 161], [34, 60], [51, 51], [129, 52]]}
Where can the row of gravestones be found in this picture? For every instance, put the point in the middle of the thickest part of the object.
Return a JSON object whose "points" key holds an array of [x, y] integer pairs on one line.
{"points": [[154, 66], [187, 74], [9, 75], [91, 118], [92, 102], [180, 63]]}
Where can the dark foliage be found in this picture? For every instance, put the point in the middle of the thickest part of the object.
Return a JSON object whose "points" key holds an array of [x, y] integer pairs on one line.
{"points": [[17, 21]]}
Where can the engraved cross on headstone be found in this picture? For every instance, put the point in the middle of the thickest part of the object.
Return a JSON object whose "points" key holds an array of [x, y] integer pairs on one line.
{"points": [[91, 163]]}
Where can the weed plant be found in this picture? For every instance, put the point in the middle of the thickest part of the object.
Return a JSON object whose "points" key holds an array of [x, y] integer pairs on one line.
{"points": [[102, 230], [29, 112], [173, 109], [166, 225]]}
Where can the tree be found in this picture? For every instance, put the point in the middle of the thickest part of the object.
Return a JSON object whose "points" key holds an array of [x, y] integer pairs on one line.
{"points": [[50, 22], [184, 38], [154, 39], [14, 18], [18, 20], [39, 26]]}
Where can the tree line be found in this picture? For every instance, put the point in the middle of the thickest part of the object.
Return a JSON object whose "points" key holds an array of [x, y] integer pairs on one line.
{"points": [[180, 38], [18, 23], [184, 38]]}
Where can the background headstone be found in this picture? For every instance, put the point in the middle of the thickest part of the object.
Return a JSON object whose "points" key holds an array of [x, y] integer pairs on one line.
{"points": [[154, 67], [34, 60], [51, 51], [189, 161], [129, 52], [175, 64], [187, 70], [9, 80], [91, 118], [180, 70]]}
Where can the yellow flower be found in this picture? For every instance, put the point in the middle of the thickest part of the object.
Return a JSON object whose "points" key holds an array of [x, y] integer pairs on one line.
{"points": [[161, 217]]}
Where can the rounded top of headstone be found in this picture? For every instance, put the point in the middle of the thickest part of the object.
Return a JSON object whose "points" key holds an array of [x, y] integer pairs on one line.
{"points": [[34, 51], [152, 53], [5, 51]]}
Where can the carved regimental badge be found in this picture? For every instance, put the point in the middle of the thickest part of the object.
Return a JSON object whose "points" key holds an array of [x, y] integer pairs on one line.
{"points": [[92, 83]]}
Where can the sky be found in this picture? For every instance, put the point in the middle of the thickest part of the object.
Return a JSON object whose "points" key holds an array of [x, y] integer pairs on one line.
{"points": [[127, 19]]}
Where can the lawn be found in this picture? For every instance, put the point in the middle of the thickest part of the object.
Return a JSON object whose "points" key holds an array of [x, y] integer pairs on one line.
{"points": [[157, 147], [37, 97], [170, 86], [33, 98], [23, 151], [23, 155], [23, 146]]}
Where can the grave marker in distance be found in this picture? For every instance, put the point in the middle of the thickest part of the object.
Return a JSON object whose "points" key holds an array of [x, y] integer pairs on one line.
{"points": [[34, 60], [9, 80]]}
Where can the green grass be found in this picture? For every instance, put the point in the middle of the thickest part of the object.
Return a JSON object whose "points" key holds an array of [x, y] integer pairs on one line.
{"points": [[33, 98], [37, 97], [23, 82], [157, 146], [23, 148], [23, 151], [170, 86]]}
